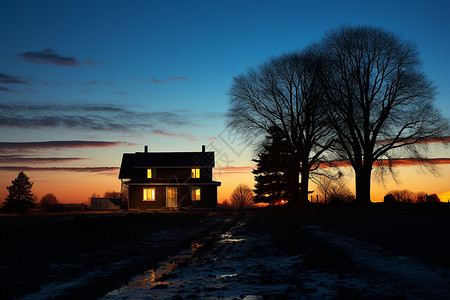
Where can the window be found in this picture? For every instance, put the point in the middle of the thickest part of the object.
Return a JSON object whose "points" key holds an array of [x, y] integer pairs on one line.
{"points": [[149, 173], [195, 173], [149, 194], [195, 194], [171, 193]]}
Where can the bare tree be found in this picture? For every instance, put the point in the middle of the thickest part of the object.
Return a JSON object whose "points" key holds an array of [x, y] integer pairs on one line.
{"points": [[242, 196], [340, 193], [333, 189], [112, 195], [49, 201], [284, 93], [380, 101]]}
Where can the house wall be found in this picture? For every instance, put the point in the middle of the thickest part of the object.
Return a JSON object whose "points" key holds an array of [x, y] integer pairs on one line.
{"points": [[140, 174], [136, 197], [169, 173], [208, 197]]}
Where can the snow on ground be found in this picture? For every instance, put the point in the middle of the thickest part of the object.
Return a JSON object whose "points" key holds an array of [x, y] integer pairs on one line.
{"points": [[244, 264], [415, 279]]}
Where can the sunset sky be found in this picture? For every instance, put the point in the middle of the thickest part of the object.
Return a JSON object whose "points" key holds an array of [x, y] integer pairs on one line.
{"points": [[82, 82]]}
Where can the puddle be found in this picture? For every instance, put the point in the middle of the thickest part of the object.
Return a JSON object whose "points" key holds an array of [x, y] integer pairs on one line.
{"points": [[225, 276], [155, 278], [238, 266]]}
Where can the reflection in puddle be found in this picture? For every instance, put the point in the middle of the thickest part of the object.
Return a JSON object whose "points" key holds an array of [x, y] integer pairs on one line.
{"points": [[225, 276], [159, 276], [231, 240], [227, 238]]}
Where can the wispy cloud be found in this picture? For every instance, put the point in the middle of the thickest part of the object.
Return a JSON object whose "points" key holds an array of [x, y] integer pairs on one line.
{"points": [[10, 79], [176, 135], [232, 170], [445, 139], [19, 159], [102, 117], [48, 56], [93, 82], [120, 93], [213, 138], [98, 170], [5, 89], [395, 162], [175, 78], [24, 146]]}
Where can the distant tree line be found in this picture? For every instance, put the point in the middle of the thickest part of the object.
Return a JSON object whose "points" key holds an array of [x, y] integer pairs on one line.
{"points": [[359, 96], [406, 196]]}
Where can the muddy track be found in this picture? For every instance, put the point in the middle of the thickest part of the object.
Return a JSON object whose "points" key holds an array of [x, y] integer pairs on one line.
{"points": [[250, 261], [107, 269]]}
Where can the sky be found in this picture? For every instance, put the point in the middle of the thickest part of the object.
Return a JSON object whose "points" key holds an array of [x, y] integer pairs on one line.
{"points": [[82, 82]]}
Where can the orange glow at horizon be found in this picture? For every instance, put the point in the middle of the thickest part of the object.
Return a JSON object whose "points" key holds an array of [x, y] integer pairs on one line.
{"points": [[77, 187]]}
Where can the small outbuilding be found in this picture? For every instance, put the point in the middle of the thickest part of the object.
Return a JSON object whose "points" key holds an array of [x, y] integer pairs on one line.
{"points": [[105, 204]]}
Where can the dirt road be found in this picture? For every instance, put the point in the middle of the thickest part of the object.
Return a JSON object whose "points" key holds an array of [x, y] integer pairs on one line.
{"points": [[222, 255], [244, 263]]}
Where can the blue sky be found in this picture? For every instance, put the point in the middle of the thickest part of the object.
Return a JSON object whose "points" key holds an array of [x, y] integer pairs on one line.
{"points": [[158, 72]]}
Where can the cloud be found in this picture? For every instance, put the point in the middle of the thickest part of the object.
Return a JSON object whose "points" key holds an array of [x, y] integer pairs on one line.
{"points": [[120, 93], [233, 170], [84, 90], [9, 79], [24, 146], [93, 82], [5, 89], [429, 140], [175, 78], [100, 117], [48, 56], [26, 159], [413, 162], [395, 162], [99, 170], [186, 136], [110, 83], [213, 138]]}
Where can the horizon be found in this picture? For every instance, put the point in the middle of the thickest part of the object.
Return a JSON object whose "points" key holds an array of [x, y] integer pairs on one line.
{"points": [[83, 83]]}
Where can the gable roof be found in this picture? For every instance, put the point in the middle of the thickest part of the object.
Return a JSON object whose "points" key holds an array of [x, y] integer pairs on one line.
{"points": [[164, 159]]}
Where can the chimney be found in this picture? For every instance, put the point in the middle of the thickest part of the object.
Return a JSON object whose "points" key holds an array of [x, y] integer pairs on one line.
{"points": [[146, 149], [203, 148]]}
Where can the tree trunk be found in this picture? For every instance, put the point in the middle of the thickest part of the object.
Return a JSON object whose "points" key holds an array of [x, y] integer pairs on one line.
{"points": [[304, 186], [362, 181], [295, 183]]}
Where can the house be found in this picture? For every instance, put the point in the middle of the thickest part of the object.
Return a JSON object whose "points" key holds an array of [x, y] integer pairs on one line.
{"points": [[105, 204], [169, 179]]}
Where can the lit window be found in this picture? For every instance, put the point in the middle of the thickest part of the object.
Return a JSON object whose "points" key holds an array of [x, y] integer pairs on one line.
{"points": [[195, 173], [149, 173], [195, 194], [149, 194]]}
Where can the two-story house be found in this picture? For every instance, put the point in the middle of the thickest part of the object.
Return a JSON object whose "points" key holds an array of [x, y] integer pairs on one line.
{"points": [[169, 179]]}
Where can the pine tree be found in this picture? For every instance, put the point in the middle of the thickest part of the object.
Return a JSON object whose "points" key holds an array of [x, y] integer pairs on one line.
{"points": [[271, 171], [20, 197]]}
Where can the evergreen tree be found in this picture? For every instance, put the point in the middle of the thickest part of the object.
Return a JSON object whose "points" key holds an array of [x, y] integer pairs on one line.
{"points": [[20, 196], [271, 173]]}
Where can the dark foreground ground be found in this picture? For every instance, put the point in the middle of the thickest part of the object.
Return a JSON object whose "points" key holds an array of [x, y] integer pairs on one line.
{"points": [[261, 254]]}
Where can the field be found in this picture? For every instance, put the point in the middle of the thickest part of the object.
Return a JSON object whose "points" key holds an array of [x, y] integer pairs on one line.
{"points": [[269, 253]]}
